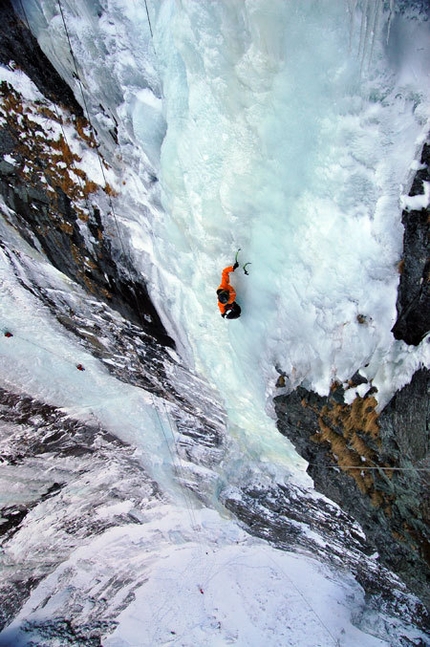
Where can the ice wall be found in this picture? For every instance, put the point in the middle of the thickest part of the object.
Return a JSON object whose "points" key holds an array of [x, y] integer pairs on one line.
{"points": [[291, 132], [287, 129]]}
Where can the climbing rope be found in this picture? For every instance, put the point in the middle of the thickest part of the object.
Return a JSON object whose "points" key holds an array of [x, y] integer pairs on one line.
{"points": [[306, 601], [185, 489], [76, 74], [176, 459], [149, 21], [389, 469]]}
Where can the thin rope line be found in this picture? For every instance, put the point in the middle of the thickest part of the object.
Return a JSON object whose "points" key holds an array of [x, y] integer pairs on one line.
{"points": [[182, 472], [99, 156], [354, 467], [149, 22], [171, 448], [176, 461], [75, 63]]}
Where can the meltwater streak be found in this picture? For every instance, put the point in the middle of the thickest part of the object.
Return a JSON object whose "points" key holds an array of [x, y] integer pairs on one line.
{"points": [[290, 134]]}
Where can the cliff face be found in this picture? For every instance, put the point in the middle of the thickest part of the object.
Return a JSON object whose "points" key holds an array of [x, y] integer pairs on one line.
{"points": [[374, 466], [59, 209], [413, 303]]}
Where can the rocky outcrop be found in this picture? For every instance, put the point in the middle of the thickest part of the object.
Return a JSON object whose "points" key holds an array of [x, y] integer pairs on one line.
{"points": [[413, 302], [32, 433], [374, 466], [18, 47], [56, 207]]}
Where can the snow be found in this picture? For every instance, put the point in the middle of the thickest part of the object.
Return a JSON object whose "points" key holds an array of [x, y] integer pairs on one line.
{"points": [[417, 202], [213, 586], [9, 159], [20, 82], [272, 127]]}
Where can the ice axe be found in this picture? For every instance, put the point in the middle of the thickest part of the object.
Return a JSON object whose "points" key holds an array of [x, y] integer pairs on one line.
{"points": [[236, 263]]}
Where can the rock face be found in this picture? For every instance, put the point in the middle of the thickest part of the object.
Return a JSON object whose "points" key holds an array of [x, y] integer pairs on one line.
{"points": [[413, 303], [32, 433], [374, 466], [58, 209], [19, 47]]}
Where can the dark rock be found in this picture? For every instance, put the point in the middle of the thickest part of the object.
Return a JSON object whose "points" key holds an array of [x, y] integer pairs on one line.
{"points": [[373, 466], [18, 46], [357, 379], [11, 517], [59, 629], [413, 302]]}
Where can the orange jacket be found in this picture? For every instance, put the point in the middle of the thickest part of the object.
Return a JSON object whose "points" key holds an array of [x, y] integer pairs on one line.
{"points": [[225, 285]]}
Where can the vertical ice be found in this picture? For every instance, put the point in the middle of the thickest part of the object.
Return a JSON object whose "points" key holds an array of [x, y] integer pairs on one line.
{"points": [[286, 129], [290, 134]]}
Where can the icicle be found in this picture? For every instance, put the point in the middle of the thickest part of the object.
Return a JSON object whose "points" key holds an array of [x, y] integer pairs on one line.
{"points": [[369, 24], [363, 29], [352, 6], [377, 12]]}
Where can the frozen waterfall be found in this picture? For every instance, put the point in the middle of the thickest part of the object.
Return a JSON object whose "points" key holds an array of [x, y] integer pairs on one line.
{"points": [[287, 129]]}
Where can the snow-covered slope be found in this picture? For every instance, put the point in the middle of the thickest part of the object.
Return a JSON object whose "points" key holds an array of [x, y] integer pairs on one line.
{"points": [[290, 130]]}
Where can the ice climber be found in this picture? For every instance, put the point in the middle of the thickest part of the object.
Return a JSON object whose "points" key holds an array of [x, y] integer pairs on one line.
{"points": [[227, 294]]}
